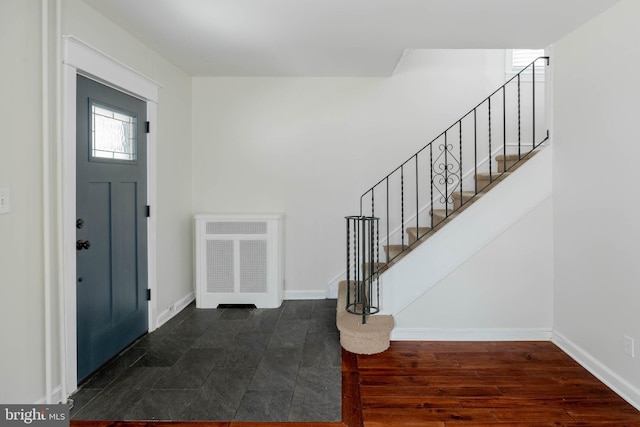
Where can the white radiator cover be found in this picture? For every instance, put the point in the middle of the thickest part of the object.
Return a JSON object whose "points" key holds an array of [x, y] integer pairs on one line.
{"points": [[239, 260]]}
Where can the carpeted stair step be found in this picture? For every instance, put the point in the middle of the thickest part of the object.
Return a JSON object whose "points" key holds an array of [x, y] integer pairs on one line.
{"points": [[509, 159], [439, 216], [420, 233], [513, 159], [372, 337], [484, 183], [462, 198], [378, 268], [394, 251]]}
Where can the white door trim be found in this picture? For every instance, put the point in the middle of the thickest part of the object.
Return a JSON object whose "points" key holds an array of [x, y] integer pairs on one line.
{"points": [[80, 58]]}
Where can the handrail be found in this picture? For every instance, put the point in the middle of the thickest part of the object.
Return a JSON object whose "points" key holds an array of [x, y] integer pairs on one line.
{"points": [[440, 164]]}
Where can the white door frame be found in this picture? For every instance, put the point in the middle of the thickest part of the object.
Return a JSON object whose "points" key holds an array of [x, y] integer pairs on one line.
{"points": [[80, 58]]}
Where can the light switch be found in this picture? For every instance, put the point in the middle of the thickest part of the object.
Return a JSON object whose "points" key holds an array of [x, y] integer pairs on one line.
{"points": [[5, 201]]}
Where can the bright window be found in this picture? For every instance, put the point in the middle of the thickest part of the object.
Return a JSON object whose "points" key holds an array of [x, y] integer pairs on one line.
{"points": [[518, 59]]}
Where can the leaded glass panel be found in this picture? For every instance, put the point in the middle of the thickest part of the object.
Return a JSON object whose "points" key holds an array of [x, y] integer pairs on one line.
{"points": [[113, 134]]}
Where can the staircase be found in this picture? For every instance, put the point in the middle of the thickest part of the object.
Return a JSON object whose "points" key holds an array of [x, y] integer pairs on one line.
{"points": [[427, 192]]}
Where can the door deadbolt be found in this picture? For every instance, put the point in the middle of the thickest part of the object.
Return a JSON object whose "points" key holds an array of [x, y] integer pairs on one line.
{"points": [[79, 223]]}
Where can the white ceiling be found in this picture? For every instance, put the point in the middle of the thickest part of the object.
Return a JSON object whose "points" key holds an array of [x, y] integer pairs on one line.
{"points": [[335, 37]]}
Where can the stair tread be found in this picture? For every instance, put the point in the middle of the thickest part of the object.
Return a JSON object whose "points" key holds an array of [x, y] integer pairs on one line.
{"points": [[379, 264], [493, 174], [512, 156], [443, 212], [396, 246], [412, 229], [464, 194], [516, 156]]}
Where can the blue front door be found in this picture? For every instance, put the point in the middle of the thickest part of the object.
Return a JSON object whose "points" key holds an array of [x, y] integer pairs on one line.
{"points": [[111, 198]]}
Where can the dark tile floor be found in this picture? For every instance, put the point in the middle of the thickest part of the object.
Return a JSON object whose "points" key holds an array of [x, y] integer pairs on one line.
{"points": [[229, 364]]}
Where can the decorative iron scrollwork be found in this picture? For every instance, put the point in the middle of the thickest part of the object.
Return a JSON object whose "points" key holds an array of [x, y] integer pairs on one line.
{"points": [[446, 173]]}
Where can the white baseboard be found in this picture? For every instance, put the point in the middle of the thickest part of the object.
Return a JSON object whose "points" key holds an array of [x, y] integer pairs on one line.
{"points": [[320, 294], [168, 314], [178, 306], [470, 334], [56, 397], [332, 287], [615, 382]]}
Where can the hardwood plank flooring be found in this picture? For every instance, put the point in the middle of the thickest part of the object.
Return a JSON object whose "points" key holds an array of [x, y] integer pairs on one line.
{"points": [[462, 384], [484, 384]]}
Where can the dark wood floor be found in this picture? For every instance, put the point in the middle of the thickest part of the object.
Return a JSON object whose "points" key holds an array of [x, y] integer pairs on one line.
{"points": [[484, 384], [468, 384]]}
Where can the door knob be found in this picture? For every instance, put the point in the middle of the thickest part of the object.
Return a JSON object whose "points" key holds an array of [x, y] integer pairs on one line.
{"points": [[83, 244]]}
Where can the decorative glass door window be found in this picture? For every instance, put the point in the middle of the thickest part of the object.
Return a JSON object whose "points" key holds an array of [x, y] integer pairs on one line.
{"points": [[113, 134]]}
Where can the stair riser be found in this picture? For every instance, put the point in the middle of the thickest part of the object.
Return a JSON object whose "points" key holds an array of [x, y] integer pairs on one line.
{"points": [[514, 161], [356, 337], [501, 165], [394, 251], [439, 218], [459, 200], [483, 183], [423, 231], [377, 269]]}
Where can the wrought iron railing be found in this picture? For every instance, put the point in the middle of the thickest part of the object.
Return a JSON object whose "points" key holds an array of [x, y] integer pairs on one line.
{"points": [[363, 244], [441, 178]]}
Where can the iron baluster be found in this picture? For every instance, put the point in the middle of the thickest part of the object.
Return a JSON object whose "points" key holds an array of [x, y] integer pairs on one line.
{"points": [[446, 177], [366, 266], [533, 108], [387, 212], [519, 125], [377, 300], [475, 150], [373, 203], [504, 130], [402, 197], [376, 245], [401, 232], [431, 167], [460, 140], [348, 260], [490, 154], [417, 199], [357, 267]]}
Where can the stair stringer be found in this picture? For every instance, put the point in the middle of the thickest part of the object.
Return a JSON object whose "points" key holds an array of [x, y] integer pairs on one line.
{"points": [[474, 228]]}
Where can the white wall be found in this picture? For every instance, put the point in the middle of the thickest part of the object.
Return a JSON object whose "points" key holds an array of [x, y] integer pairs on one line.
{"points": [[596, 203], [309, 147], [21, 241], [504, 291]]}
